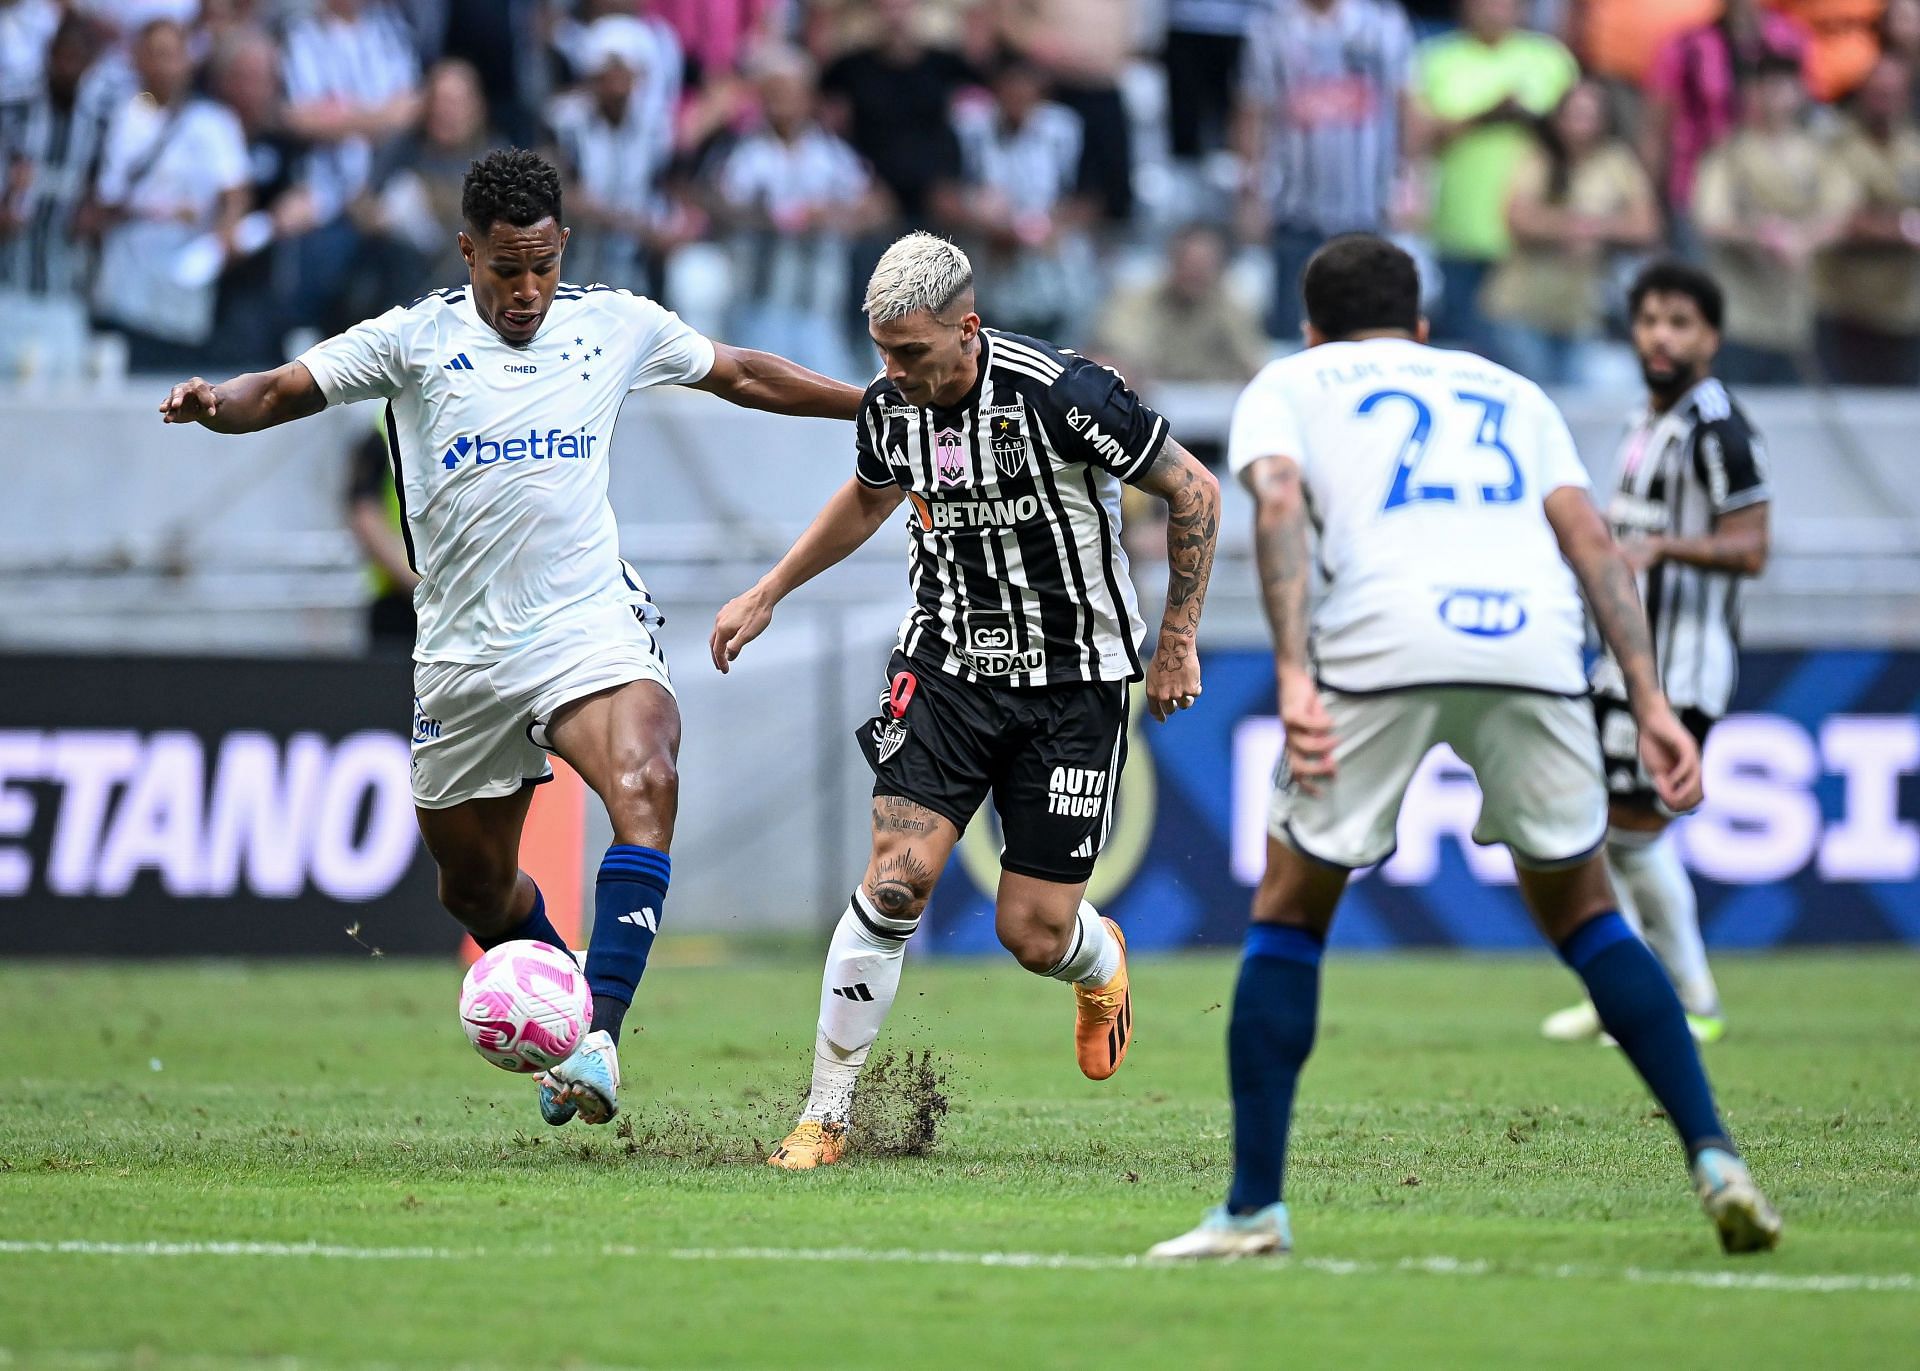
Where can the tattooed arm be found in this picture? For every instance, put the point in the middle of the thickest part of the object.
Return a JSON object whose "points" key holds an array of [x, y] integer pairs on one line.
{"points": [[1193, 526], [1671, 756], [1281, 551]]}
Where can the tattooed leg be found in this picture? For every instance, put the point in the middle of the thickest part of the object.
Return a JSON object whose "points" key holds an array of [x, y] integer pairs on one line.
{"points": [[910, 846]]}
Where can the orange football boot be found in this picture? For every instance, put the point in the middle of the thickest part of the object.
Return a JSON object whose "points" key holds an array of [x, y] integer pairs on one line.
{"points": [[1103, 1027], [811, 1144]]}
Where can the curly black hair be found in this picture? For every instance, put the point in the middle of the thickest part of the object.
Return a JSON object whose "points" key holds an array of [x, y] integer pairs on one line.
{"points": [[510, 185], [1359, 281], [1670, 276]]}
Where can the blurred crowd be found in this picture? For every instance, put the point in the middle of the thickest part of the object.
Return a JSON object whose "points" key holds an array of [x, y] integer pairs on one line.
{"points": [[197, 185]]}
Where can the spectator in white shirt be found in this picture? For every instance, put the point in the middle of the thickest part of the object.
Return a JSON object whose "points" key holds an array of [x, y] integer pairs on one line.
{"points": [[1021, 206], [647, 43], [615, 140], [796, 195], [172, 191]]}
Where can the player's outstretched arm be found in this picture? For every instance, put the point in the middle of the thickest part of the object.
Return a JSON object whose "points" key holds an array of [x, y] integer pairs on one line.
{"points": [[1283, 553], [1193, 526], [843, 524], [761, 380], [246, 404], [1606, 579]]}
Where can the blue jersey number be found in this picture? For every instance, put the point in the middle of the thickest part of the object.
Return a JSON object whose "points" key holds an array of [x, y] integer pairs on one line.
{"points": [[1405, 490]]}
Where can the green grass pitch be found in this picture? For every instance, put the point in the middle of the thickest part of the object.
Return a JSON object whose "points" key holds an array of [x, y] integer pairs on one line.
{"points": [[306, 1167]]}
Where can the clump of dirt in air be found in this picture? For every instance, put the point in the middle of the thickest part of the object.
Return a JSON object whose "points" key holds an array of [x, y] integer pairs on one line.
{"points": [[899, 1104]]}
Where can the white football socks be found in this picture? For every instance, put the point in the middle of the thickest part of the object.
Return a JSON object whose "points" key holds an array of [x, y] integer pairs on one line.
{"points": [[1093, 953], [862, 977], [1647, 871]]}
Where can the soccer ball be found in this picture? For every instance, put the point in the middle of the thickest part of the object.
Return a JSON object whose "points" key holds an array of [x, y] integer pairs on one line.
{"points": [[525, 1006]]}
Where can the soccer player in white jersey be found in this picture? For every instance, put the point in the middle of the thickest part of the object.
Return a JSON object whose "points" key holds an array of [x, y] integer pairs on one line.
{"points": [[1455, 537], [1690, 509], [534, 637], [1011, 674]]}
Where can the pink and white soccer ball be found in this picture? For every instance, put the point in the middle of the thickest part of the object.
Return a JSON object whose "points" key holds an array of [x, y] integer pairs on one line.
{"points": [[525, 1006]]}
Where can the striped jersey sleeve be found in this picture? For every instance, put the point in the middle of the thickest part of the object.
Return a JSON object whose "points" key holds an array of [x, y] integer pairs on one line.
{"points": [[1090, 413], [1730, 461], [869, 433], [1107, 425]]}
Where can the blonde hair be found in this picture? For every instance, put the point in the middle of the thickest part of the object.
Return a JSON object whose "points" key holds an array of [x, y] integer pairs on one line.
{"points": [[921, 271]]}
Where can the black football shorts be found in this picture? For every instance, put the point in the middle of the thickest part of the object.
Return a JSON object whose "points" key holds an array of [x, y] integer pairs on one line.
{"points": [[1627, 779], [1050, 756]]}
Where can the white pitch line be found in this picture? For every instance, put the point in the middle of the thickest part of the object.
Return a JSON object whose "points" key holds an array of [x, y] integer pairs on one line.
{"points": [[322, 1251], [1329, 1266], [97, 1359], [1816, 1284]]}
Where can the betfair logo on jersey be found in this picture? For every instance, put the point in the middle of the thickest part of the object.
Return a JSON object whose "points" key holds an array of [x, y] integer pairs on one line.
{"points": [[949, 514], [1097, 438], [1076, 792], [552, 445]]}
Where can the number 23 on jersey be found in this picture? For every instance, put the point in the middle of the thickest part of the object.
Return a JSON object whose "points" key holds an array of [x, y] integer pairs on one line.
{"points": [[1406, 487]]}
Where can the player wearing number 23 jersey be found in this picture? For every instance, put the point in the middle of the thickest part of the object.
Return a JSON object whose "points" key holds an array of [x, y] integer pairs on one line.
{"points": [[1456, 539], [1425, 473]]}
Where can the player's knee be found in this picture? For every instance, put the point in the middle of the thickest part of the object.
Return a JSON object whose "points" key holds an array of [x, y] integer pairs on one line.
{"points": [[1034, 945], [647, 786]]}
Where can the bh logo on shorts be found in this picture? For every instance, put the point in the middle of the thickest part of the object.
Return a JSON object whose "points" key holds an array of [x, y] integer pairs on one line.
{"points": [[1483, 613], [1076, 792]]}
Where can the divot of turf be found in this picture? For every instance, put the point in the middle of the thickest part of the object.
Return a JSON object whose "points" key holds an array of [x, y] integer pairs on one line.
{"points": [[901, 1101]]}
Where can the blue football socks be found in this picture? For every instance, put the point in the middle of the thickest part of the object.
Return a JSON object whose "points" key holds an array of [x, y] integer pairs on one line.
{"points": [[1639, 1008], [1275, 1006], [536, 926], [628, 901]]}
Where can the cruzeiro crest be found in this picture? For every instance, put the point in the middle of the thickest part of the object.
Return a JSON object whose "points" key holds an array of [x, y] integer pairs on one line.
{"points": [[1007, 437]]}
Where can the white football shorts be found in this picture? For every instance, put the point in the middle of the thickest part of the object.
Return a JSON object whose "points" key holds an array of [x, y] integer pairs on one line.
{"points": [[1536, 757], [479, 730]]}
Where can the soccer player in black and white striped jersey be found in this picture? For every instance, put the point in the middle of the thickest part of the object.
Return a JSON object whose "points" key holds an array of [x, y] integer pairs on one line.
{"points": [[1012, 670], [1691, 513]]}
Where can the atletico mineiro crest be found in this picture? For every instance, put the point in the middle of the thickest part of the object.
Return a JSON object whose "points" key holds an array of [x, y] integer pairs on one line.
{"points": [[1007, 437]]}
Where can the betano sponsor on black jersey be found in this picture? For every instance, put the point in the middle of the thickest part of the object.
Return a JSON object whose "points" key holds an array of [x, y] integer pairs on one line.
{"points": [[1679, 472], [1014, 515]]}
